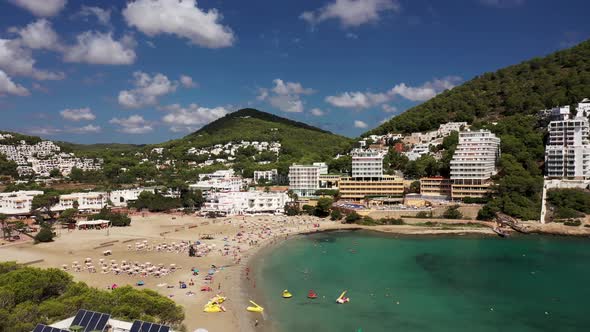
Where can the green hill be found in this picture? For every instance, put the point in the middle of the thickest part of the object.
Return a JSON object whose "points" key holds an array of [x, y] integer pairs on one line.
{"points": [[561, 78], [299, 142], [506, 102]]}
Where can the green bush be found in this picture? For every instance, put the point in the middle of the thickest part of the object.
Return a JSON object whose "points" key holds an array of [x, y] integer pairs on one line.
{"points": [[452, 212], [352, 217], [116, 219], [31, 296], [392, 221], [45, 235], [574, 222], [335, 215], [423, 214], [308, 209]]}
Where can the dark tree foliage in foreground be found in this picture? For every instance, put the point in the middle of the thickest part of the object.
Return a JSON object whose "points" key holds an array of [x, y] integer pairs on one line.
{"points": [[29, 296]]}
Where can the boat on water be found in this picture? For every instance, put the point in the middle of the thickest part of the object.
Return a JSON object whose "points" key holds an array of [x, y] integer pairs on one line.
{"points": [[311, 294], [287, 294], [500, 232], [254, 307], [342, 298]]}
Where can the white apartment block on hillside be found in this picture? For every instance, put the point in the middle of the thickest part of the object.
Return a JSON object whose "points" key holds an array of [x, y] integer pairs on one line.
{"points": [[43, 157], [304, 180], [90, 201], [267, 176], [367, 163], [122, 197], [567, 154], [474, 163], [250, 202], [17, 202]]}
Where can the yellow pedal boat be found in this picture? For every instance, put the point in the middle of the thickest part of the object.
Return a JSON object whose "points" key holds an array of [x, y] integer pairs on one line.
{"points": [[287, 295], [255, 308]]}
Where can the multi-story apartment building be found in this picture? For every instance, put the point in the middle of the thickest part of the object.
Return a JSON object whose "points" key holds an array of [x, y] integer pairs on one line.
{"points": [[357, 189], [567, 154], [474, 163], [90, 201], [17, 202], [250, 202], [436, 186], [122, 197], [367, 163], [304, 180], [267, 176]]}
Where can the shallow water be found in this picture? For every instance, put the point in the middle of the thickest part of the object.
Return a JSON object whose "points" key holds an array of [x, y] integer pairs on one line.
{"points": [[411, 284]]}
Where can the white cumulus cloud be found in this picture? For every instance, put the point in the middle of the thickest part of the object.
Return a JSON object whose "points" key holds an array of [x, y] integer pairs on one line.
{"points": [[286, 96], [388, 108], [78, 114], [317, 112], [147, 89], [187, 81], [17, 60], [8, 87], [351, 13], [134, 124], [357, 99], [100, 48], [41, 7], [364, 100], [102, 15], [38, 35], [360, 124], [191, 117], [87, 129], [182, 18]]}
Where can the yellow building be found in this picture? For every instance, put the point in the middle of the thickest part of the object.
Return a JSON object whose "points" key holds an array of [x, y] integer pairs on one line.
{"points": [[436, 186], [358, 189], [329, 181], [470, 188]]}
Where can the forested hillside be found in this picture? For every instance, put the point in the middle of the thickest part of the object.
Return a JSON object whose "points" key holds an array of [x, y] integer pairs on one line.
{"points": [[299, 142], [562, 78]]}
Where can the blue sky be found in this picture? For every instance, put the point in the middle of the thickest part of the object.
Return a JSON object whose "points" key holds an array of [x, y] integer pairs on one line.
{"points": [[146, 71]]}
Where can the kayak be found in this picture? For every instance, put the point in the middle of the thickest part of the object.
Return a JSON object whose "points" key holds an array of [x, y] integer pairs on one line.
{"points": [[312, 294], [255, 307], [287, 295]]}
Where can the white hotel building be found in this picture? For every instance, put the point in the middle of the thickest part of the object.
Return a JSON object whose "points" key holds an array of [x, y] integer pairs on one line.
{"points": [[17, 202], [474, 163], [304, 180], [567, 154], [367, 163], [249, 202]]}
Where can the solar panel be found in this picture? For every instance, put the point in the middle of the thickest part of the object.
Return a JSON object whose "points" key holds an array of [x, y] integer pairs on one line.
{"points": [[91, 320], [140, 326], [45, 328]]}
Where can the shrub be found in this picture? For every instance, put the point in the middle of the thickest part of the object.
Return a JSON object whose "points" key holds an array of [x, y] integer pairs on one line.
{"points": [[116, 219], [308, 209], [352, 217], [336, 215], [422, 214], [453, 212], [575, 222], [292, 209], [368, 221], [45, 235], [392, 221]]}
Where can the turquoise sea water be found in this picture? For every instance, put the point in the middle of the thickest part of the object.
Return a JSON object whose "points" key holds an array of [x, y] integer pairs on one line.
{"points": [[456, 283]]}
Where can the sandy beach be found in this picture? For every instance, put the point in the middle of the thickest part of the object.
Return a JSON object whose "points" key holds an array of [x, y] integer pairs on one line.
{"points": [[159, 242]]}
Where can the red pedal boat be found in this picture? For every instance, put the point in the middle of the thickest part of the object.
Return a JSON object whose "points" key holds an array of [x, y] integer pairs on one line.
{"points": [[311, 294]]}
